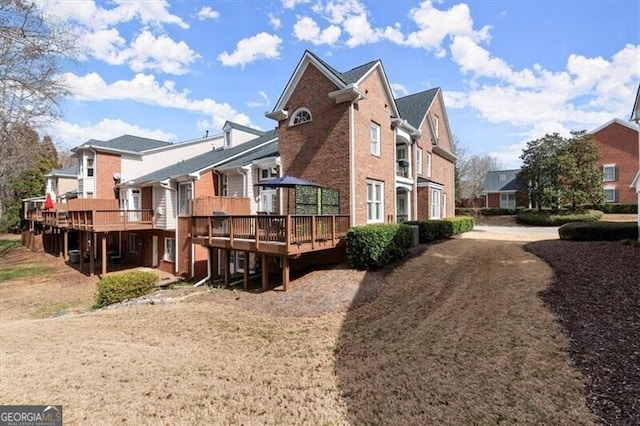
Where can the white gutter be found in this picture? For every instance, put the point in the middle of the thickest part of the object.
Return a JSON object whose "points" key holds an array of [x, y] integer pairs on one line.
{"points": [[352, 166]]}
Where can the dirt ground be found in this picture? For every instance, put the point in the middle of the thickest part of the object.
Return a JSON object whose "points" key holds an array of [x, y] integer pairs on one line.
{"points": [[456, 334]]}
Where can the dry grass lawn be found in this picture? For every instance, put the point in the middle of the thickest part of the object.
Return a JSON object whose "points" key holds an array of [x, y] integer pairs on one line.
{"points": [[457, 334]]}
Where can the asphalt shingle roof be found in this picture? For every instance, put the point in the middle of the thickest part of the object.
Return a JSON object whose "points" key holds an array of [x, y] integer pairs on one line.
{"points": [[205, 160], [350, 76], [128, 143], [69, 171], [414, 107], [493, 183], [269, 150]]}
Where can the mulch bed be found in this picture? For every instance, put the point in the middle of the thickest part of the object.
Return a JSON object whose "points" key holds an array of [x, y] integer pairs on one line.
{"points": [[596, 296]]}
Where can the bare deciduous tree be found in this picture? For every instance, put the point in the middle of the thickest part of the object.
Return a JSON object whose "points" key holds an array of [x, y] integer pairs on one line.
{"points": [[33, 49], [471, 170]]}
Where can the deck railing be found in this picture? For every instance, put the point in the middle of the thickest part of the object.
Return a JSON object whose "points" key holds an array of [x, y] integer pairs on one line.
{"points": [[290, 230], [57, 218], [111, 219]]}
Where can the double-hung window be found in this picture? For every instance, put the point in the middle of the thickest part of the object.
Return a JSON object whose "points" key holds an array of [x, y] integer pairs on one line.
{"points": [[170, 249], [419, 161], [428, 165], [609, 172], [375, 138], [185, 196], [375, 201], [435, 204], [610, 194]]}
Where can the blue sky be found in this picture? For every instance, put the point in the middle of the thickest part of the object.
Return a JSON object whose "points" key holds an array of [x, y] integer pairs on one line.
{"points": [[510, 71]]}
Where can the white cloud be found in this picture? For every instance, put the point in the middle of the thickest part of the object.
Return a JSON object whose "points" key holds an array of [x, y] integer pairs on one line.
{"points": [[399, 90], [72, 134], [264, 103], [290, 4], [160, 54], [274, 21], [106, 45], [436, 25], [208, 13], [146, 89], [306, 29], [89, 15], [260, 46]]}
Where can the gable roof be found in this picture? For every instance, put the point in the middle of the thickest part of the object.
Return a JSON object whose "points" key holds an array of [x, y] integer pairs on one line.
{"points": [[635, 114], [69, 171], [204, 161], [128, 143], [631, 126], [492, 182], [413, 108], [246, 129], [342, 80]]}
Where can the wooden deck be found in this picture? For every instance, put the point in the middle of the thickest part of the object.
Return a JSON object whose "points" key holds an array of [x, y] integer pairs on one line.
{"points": [[110, 220], [288, 235]]}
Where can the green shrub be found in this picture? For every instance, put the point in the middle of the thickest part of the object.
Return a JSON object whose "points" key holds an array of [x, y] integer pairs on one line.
{"points": [[467, 211], [116, 288], [599, 231], [618, 208], [557, 218], [461, 224], [433, 230], [486, 211], [373, 246]]}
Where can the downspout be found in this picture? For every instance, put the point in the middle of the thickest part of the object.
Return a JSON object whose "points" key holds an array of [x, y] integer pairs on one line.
{"points": [[166, 184], [352, 165]]}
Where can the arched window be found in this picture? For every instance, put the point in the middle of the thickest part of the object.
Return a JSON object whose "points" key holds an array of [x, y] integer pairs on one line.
{"points": [[302, 115]]}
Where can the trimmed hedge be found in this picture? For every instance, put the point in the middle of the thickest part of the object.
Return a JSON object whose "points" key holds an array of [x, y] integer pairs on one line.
{"points": [[116, 288], [373, 246], [433, 230], [486, 211], [557, 218], [618, 208], [599, 231]]}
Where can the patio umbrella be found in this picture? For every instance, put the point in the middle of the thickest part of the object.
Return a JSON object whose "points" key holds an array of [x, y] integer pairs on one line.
{"points": [[286, 181], [48, 202]]}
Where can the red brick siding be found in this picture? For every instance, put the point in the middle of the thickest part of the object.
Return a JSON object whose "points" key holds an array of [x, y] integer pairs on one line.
{"points": [[317, 151], [423, 203], [375, 108], [618, 145], [183, 246], [106, 166]]}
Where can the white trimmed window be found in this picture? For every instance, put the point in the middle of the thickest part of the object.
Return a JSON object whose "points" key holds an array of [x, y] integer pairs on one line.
{"points": [[185, 195], [375, 138], [375, 201], [435, 204], [610, 194], [227, 139], [428, 164], [507, 200], [268, 173], [419, 161], [170, 249], [436, 126], [609, 172], [89, 167], [133, 243], [301, 116]]}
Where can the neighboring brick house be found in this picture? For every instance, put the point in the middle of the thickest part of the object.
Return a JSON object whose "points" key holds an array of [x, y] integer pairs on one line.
{"points": [[501, 190], [391, 159], [617, 142]]}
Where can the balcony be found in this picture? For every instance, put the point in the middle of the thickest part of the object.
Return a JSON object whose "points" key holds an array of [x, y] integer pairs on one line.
{"points": [[110, 220], [403, 169], [277, 235]]}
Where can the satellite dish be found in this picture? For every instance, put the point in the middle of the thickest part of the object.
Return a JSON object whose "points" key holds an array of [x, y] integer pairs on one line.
{"points": [[116, 176]]}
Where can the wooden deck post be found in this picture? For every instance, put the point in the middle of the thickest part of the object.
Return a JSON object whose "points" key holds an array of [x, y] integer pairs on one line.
{"points": [[81, 247], [65, 237], [246, 270], [92, 261], [225, 263], [264, 268], [104, 254], [285, 272]]}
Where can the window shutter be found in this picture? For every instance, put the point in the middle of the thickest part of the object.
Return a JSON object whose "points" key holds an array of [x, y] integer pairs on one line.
{"points": [[617, 177]]}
